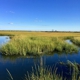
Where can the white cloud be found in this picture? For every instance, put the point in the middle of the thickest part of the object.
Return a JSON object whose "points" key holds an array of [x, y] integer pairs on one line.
{"points": [[10, 23]]}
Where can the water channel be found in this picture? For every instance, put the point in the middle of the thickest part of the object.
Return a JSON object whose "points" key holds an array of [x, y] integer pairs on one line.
{"points": [[18, 66]]}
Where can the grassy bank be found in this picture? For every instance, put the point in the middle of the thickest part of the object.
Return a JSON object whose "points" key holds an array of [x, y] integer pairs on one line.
{"points": [[36, 43], [21, 45], [76, 41]]}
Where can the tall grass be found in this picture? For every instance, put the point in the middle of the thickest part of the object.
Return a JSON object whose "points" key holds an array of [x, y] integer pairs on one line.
{"points": [[76, 41], [11, 78], [45, 74], [40, 73], [36, 46]]}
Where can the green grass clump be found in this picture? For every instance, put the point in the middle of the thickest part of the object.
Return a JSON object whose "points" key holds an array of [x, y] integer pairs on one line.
{"points": [[68, 37], [76, 41], [63, 46], [36, 46], [42, 74]]}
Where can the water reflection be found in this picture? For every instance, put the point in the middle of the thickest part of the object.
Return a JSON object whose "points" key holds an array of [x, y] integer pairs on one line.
{"points": [[3, 40], [14, 58], [69, 41], [19, 66]]}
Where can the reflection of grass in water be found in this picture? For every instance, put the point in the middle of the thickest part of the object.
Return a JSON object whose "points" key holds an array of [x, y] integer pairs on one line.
{"points": [[36, 46], [40, 73], [10, 58], [15, 57]]}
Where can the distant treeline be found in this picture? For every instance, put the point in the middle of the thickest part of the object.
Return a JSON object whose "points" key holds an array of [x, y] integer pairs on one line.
{"points": [[39, 31]]}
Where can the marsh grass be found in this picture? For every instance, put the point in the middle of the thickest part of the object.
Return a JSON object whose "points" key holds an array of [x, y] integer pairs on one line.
{"points": [[11, 78], [36, 46], [41, 73], [76, 71], [39, 33], [76, 41]]}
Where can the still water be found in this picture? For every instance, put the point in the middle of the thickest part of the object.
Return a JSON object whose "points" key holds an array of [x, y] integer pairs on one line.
{"points": [[3, 40], [18, 66], [68, 41]]}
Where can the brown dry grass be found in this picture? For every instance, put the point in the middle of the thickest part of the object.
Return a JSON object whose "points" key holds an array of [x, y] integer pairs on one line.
{"points": [[46, 34]]}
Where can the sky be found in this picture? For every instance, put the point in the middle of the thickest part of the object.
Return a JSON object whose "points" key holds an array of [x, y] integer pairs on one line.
{"points": [[40, 15]]}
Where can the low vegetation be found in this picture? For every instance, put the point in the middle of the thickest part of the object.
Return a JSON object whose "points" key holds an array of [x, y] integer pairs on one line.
{"points": [[47, 74], [36, 43], [40, 43], [76, 41], [40, 73], [36, 46], [38, 33]]}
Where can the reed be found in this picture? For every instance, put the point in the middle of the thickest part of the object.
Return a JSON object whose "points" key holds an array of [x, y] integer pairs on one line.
{"points": [[47, 74], [11, 78], [76, 41], [36, 46], [40, 73]]}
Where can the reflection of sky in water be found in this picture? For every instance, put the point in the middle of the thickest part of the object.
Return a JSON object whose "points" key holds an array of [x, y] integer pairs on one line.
{"points": [[18, 66], [68, 41], [4, 39]]}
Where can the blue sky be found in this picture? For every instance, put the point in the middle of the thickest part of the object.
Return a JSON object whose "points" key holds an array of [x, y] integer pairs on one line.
{"points": [[62, 15]]}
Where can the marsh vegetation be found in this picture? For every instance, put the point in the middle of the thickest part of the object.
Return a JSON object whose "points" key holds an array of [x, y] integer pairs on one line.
{"points": [[47, 44], [41, 73], [36, 46]]}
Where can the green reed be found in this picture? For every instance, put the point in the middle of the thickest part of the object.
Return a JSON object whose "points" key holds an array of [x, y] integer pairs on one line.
{"points": [[40, 73], [36, 46], [76, 41]]}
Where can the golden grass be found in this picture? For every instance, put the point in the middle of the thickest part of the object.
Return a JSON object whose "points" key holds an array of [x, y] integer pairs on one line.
{"points": [[48, 34], [78, 38], [36, 46], [25, 42]]}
